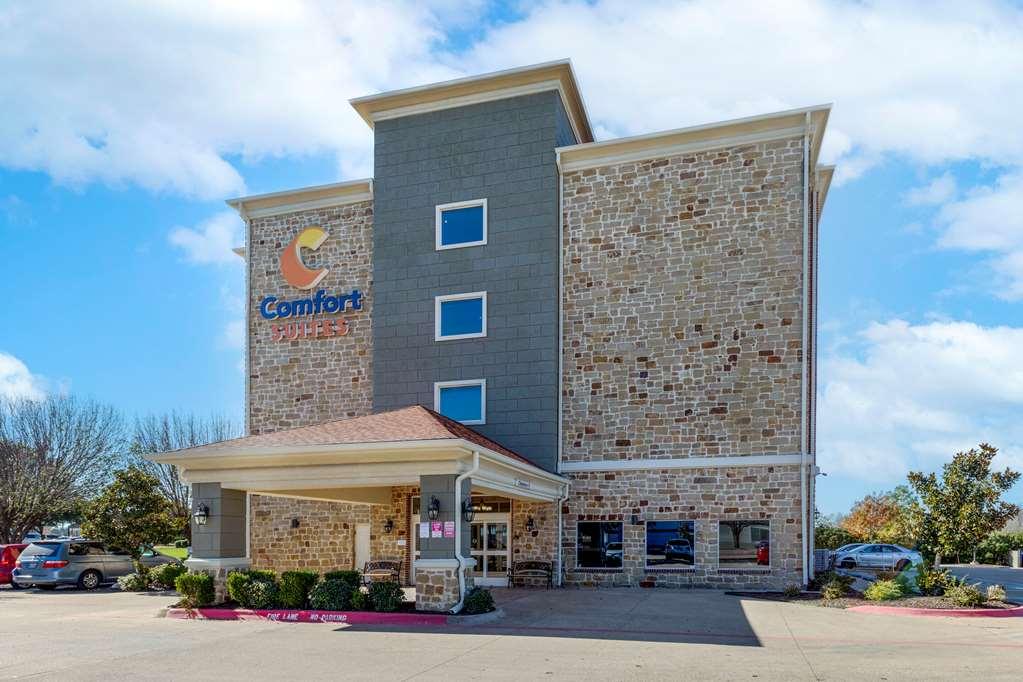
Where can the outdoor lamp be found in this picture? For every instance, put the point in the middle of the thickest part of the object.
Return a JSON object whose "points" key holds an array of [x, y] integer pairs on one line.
{"points": [[388, 525], [434, 509], [202, 514], [530, 524], [468, 511]]}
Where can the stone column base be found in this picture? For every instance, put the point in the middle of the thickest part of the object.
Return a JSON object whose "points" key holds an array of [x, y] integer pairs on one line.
{"points": [[437, 584], [218, 570]]}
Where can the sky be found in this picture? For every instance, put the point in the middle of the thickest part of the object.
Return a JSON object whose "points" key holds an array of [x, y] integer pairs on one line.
{"points": [[124, 127]]}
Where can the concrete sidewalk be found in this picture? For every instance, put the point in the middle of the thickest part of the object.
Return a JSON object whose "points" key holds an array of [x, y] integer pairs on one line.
{"points": [[557, 634]]}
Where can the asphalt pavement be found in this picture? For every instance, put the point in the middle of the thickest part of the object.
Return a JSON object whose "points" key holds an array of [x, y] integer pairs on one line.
{"points": [[1009, 578]]}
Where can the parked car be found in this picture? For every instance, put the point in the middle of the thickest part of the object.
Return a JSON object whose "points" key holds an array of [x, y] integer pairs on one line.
{"points": [[763, 553], [152, 558], [31, 537], [8, 555], [85, 563], [678, 549], [883, 557], [613, 554], [849, 547]]}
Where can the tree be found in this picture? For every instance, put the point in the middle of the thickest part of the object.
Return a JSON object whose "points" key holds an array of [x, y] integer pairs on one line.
{"points": [[826, 535], [965, 505], [54, 453], [175, 431], [885, 517], [130, 514]]}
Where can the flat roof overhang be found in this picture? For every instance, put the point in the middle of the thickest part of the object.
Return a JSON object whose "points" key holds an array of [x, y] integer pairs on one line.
{"points": [[362, 473]]}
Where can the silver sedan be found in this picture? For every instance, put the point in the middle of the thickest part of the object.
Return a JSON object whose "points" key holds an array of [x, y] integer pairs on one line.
{"points": [[883, 557]]}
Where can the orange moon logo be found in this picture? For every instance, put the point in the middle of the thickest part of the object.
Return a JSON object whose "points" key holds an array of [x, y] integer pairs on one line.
{"points": [[294, 270]]}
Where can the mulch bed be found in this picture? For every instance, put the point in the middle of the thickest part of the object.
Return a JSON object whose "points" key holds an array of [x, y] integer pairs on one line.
{"points": [[814, 599]]}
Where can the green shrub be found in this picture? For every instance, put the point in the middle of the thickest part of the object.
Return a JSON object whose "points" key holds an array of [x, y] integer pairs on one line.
{"points": [[995, 593], [965, 595], [295, 586], [386, 595], [351, 578], [260, 594], [478, 600], [181, 543], [360, 601], [331, 595], [995, 548], [833, 590], [931, 581], [828, 536], [165, 575], [133, 582], [196, 589], [792, 591], [902, 580], [883, 590], [237, 581]]}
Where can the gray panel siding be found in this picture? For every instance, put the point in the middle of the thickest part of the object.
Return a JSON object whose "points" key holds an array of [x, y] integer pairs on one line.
{"points": [[502, 151], [563, 135]]}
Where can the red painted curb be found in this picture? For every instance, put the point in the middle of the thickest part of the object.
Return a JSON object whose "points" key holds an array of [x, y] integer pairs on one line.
{"points": [[950, 613], [309, 616]]}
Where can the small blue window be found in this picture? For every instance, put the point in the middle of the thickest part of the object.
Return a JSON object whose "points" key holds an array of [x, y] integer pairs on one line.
{"points": [[462, 224], [461, 316], [463, 401]]}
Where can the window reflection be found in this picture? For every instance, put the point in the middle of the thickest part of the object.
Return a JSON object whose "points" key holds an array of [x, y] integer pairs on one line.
{"points": [[670, 543], [744, 543], [599, 544]]}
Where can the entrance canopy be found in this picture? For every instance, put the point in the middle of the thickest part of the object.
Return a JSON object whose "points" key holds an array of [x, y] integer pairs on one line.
{"points": [[359, 459]]}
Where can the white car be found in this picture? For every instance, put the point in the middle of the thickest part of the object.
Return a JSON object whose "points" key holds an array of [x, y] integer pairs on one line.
{"points": [[884, 557]]}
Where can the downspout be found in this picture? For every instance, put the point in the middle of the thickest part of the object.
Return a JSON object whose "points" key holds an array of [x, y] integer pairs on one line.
{"points": [[462, 565], [561, 567], [805, 365], [561, 353]]}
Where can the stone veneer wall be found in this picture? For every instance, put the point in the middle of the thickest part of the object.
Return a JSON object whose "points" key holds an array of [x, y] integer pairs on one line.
{"points": [[705, 496], [542, 542], [682, 305], [308, 381]]}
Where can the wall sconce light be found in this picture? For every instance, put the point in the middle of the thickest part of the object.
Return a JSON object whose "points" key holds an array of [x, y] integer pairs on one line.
{"points": [[201, 515], [295, 523], [468, 511], [388, 525], [434, 509], [530, 524]]}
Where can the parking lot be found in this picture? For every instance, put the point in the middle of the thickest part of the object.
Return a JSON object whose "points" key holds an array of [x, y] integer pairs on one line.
{"points": [[1009, 578], [562, 634]]}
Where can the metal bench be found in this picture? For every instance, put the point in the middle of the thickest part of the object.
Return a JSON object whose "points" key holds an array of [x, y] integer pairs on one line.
{"points": [[381, 571], [531, 569]]}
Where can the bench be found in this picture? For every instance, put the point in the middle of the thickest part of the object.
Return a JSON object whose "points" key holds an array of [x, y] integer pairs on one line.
{"points": [[381, 571], [531, 569]]}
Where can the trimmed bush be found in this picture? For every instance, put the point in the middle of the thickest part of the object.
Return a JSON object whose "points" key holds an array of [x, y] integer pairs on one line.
{"points": [[883, 590], [166, 574], [386, 595], [478, 600], [196, 589], [237, 581], [260, 594], [352, 578], [133, 582], [331, 595], [965, 595], [995, 593], [792, 591], [294, 588], [360, 601]]}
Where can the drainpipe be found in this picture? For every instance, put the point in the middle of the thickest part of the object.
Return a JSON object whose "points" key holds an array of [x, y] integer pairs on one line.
{"points": [[462, 565], [561, 568], [805, 445]]}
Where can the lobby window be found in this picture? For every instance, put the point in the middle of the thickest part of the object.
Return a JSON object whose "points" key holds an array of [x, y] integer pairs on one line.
{"points": [[461, 224], [599, 544], [460, 316], [670, 543], [463, 401], [744, 543]]}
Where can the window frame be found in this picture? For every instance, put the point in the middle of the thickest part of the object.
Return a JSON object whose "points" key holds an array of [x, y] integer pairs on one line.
{"points": [[437, 304], [438, 223], [438, 386]]}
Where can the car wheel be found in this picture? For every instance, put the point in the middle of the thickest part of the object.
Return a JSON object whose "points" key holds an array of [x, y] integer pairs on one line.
{"points": [[89, 580], [48, 588], [901, 565], [16, 586], [848, 563]]}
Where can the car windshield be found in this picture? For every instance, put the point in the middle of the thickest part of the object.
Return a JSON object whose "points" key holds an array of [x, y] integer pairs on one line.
{"points": [[42, 549]]}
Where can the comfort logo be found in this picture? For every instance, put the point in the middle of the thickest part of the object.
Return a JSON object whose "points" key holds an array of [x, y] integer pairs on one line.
{"points": [[293, 269]]}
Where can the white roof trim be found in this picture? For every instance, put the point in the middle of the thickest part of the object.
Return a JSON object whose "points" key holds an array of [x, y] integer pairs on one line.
{"points": [[303, 198]]}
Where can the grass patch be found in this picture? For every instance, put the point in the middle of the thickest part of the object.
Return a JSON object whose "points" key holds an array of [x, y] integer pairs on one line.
{"points": [[171, 550]]}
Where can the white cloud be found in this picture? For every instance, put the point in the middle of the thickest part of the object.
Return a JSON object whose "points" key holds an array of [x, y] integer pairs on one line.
{"points": [[918, 394], [212, 241], [166, 95], [937, 191], [16, 381], [990, 219]]}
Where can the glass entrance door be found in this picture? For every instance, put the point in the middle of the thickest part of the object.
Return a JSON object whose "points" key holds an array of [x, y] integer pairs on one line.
{"points": [[489, 547]]}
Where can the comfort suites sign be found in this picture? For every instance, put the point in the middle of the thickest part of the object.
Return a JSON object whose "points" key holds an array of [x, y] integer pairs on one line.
{"points": [[277, 309]]}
